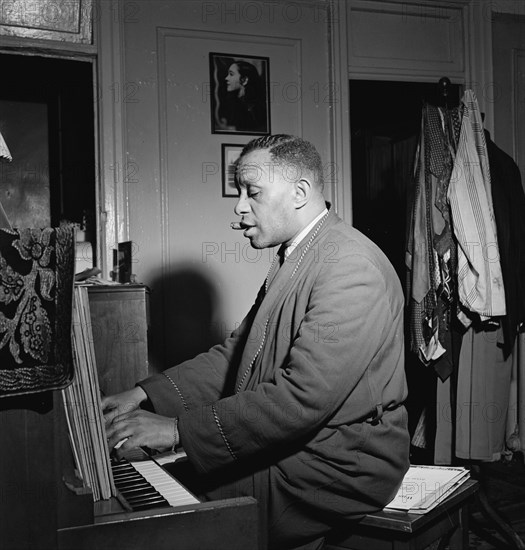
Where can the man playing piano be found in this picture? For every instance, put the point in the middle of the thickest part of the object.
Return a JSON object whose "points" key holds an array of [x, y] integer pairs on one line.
{"points": [[302, 406]]}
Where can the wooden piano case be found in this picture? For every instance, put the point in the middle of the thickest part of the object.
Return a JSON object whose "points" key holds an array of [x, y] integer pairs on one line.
{"points": [[120, 324], [219, 525]]}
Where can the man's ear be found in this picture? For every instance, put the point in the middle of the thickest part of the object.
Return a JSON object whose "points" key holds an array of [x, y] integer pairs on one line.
{"points": [[303, 191]]}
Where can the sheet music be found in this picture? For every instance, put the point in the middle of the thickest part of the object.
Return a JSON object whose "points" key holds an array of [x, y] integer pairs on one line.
{"points": [[83, 407]]}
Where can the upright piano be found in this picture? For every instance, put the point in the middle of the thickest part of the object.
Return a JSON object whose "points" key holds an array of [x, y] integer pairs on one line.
{"points": [[153, 509]]}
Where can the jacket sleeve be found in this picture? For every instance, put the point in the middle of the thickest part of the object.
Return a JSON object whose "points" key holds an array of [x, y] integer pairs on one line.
{"points": [[203, 379], [348, 348]]}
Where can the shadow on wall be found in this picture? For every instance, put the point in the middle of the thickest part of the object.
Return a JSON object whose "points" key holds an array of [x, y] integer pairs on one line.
{"points": [[184, 313]]}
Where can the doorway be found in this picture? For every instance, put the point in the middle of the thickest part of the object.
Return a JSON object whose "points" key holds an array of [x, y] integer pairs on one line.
{"points": [[47, 121], [385, 121]]}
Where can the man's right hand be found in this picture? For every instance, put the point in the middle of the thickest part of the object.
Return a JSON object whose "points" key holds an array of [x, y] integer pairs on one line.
{"points": [[116, 405]]}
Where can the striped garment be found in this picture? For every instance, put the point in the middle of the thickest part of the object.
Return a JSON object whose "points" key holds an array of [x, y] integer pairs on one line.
{"points": [[480, 281]]}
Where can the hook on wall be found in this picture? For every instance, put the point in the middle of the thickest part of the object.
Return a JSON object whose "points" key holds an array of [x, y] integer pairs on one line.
{"points": [[444, 87]]}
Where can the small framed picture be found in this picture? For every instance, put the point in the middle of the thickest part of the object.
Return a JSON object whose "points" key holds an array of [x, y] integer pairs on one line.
{"points": [[239, 90], [230, 153], [124, 262]]}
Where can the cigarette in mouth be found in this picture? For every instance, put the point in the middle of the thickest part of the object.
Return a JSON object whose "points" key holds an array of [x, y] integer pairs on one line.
{"points": [[235, 225]]}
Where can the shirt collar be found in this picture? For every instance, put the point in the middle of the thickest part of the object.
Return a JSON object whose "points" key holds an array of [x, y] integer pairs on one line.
{"points": [[291, 247]]}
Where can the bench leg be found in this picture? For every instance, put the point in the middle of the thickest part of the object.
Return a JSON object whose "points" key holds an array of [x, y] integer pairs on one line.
{"points": [[459, 539]]}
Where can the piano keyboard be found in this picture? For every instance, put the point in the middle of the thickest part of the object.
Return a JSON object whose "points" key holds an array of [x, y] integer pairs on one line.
{"points": [[144, 484]]}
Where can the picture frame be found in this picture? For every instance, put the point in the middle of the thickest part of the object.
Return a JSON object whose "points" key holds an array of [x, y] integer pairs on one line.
{"points": [[239, 94], [124, 262], [230, 152]]}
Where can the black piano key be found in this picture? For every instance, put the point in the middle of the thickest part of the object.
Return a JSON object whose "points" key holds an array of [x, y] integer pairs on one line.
{"points": [[119, 471], [126, 474], [124, 471], [121, 467], [124, 467], [131, 492], [145, 494], [144, 490], [138, 489], [132, 484], [128, 477]]}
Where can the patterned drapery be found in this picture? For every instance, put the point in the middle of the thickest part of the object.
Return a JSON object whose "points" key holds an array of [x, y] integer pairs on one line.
{"points": [[36, 293]]}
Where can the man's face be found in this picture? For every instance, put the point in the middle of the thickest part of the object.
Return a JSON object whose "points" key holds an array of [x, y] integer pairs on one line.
{"points": [[266, 200]]}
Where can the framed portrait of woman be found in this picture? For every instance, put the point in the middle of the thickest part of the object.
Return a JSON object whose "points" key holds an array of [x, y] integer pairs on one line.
{"points": [[240, 98]]}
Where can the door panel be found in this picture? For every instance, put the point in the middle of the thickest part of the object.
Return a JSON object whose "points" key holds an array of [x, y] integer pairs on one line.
{"points": [[508, 45]]}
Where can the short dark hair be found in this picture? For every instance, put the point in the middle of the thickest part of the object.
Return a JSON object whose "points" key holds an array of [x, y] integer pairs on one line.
{"points": [[292, 150]]}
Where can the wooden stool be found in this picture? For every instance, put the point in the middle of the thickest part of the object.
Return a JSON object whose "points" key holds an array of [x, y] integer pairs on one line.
{"points": [[396, 530]]}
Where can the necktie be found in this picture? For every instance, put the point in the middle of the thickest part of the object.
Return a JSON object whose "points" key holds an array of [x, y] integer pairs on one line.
{"points": [[276, 265], [281, 254]]}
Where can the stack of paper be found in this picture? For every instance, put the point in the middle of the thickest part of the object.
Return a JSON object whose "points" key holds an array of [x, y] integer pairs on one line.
{"points": [[83, 409], [424, 487]]}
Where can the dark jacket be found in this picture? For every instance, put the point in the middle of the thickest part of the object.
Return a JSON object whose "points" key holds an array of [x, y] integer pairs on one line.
{"points": [[509, 210]]}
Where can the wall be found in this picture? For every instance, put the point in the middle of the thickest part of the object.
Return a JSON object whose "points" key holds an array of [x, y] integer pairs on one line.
{"points": [[161, 164], [203, 275]]}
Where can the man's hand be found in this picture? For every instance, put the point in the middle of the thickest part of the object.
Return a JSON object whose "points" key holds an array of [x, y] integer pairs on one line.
{"points": [[140, 429], [122, 403], [126, 421]]}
